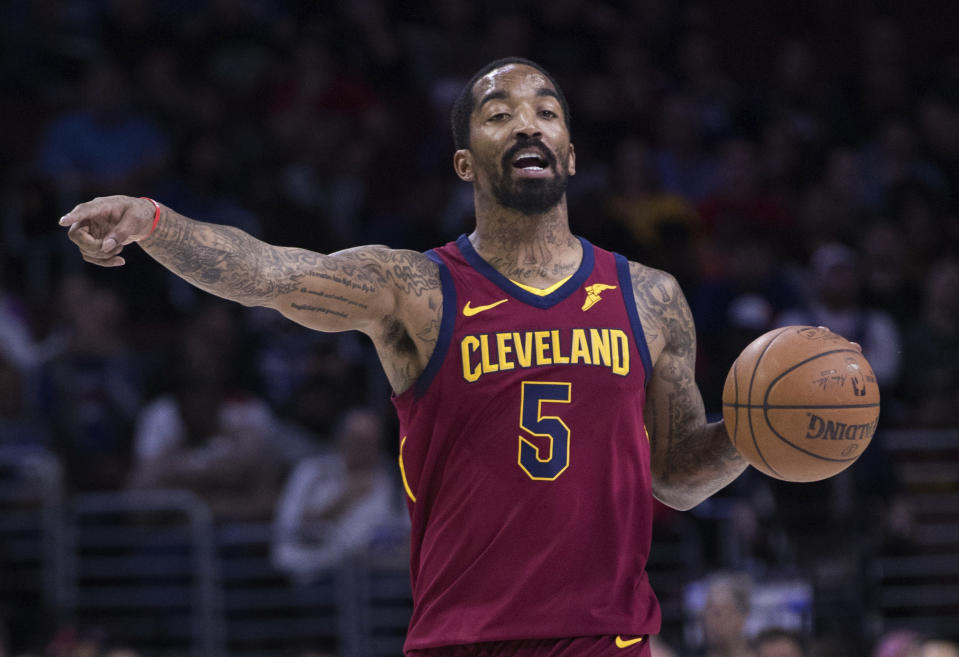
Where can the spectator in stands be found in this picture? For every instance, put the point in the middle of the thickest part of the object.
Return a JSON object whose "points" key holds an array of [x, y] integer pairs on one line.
{"points": [[741, 287], [655, 223], [17, 343], [938, 120], [93, 391], [210, 435], [938, 647], [741, 203], [884, 78], [897, 643], [684, 166], [334, 503], [320, 108], [778, 642], [888, 270], [892, 158], [318, 377], [923, 214], [19, 423], [728, 603], [930, 381], [659, 648], [106, 145], [800, 92], [834, 301]]}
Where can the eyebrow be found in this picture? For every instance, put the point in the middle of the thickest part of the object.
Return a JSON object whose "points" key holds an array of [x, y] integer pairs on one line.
{"points": [[500, 94]]}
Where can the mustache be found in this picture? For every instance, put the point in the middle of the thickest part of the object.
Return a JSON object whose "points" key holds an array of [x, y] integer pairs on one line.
{"points": [[547, 154]]}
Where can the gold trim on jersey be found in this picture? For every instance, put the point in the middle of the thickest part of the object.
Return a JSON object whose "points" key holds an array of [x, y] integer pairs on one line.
{"points": [[406, 483], [541, 291]]}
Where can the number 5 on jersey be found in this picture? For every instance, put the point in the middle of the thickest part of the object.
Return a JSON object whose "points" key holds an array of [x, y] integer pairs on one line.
{"points": [[543, 464]]}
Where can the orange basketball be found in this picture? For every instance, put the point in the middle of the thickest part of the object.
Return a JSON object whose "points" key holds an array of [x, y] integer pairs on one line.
{"points": [[801, 403]]}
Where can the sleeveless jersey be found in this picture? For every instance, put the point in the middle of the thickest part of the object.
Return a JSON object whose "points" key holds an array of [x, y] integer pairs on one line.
{"points": [[525, 459]]}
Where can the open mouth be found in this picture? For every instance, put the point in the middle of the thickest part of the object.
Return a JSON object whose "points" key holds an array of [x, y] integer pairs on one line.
{"points": [[530, 160]]}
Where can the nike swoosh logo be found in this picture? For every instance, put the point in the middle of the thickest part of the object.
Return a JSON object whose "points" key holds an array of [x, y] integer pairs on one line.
{"points": [[626, 643], [469, 311]]}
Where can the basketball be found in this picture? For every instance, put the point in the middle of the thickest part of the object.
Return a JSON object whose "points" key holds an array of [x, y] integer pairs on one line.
{"points": [[801, 403]]}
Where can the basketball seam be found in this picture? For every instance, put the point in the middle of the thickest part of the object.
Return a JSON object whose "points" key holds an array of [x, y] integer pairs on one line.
{"points": [[803, 362], [749, 396], [736, 397], [766, 407], [779, 407]]}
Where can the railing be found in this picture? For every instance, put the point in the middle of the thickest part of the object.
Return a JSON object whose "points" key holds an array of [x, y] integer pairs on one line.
{"points": [[919, 589], [264, 614], [142, 566], [31, 536]]}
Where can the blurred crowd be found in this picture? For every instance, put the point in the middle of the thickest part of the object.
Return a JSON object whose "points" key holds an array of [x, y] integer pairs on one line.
{"points": [[789, 165]]}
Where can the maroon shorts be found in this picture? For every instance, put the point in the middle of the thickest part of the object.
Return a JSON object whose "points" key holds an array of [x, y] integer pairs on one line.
{"points": [[583, 646]]}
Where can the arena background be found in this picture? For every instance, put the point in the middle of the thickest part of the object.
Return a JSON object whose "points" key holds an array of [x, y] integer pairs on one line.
{"points": [[780, 159]]}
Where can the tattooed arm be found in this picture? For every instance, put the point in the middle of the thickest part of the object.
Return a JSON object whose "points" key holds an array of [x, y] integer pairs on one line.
{"points": [[691, 459], [392, 296]]}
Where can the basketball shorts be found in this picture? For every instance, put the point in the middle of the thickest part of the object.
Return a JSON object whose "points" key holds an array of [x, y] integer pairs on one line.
{"points": [[583, 646]]}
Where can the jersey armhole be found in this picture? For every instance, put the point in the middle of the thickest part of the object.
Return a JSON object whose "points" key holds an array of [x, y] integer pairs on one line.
{"points": [[446, 327], [626, 285]]}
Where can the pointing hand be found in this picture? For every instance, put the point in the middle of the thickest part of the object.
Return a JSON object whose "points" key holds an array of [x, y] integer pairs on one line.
{"points": [[102, 227]]}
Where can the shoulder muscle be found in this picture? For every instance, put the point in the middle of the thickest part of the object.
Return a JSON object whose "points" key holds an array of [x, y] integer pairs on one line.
{"points": [[667, 320]]}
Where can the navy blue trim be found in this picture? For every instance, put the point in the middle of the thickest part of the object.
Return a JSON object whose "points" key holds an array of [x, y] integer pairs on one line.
{"points": [[626, 285], [514, 290], [446, 327]]}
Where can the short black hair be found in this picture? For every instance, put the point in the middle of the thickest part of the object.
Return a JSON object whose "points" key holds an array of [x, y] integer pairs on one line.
{"points": [[464, 103]]}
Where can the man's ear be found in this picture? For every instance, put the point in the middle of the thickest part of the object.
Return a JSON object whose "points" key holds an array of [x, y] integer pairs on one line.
{"points": [[463, 164], [572, 160]]}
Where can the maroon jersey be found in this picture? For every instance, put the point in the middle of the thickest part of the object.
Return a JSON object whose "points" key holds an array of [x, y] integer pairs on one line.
{"points": [[525, 459]]}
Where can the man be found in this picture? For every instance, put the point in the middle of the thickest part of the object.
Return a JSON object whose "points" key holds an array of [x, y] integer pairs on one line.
{"points": [[525, 364], [334, 503], [728, 602]]}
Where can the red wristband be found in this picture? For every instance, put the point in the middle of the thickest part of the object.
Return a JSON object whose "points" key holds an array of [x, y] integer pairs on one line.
{"points": [[156, 214]]}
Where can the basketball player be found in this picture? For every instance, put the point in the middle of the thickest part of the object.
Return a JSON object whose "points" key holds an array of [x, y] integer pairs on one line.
{"points": [[544, 386]]}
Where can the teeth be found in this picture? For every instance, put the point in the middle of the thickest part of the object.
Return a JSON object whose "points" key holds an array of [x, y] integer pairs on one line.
{"points": [[529, 153], [537, 162]]}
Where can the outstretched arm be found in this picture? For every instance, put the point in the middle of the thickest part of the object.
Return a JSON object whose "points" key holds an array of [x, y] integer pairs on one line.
{"points": [[391, 295], [691, 459]]}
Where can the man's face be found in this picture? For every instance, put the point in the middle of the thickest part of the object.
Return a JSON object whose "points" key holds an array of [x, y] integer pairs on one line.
{"points": [[519, 144], [723, 620]]}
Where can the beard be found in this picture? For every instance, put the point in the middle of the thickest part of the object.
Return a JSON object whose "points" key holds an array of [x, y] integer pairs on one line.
{"points": [[530, 196]]}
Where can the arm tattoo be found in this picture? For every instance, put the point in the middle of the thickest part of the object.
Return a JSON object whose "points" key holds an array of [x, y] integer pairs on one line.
{"points": [[392, 295], [692, 459], [226, 261]]}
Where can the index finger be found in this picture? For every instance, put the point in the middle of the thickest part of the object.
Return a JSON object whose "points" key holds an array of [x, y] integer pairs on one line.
{"points": [[73, 216], [99, 208]]}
